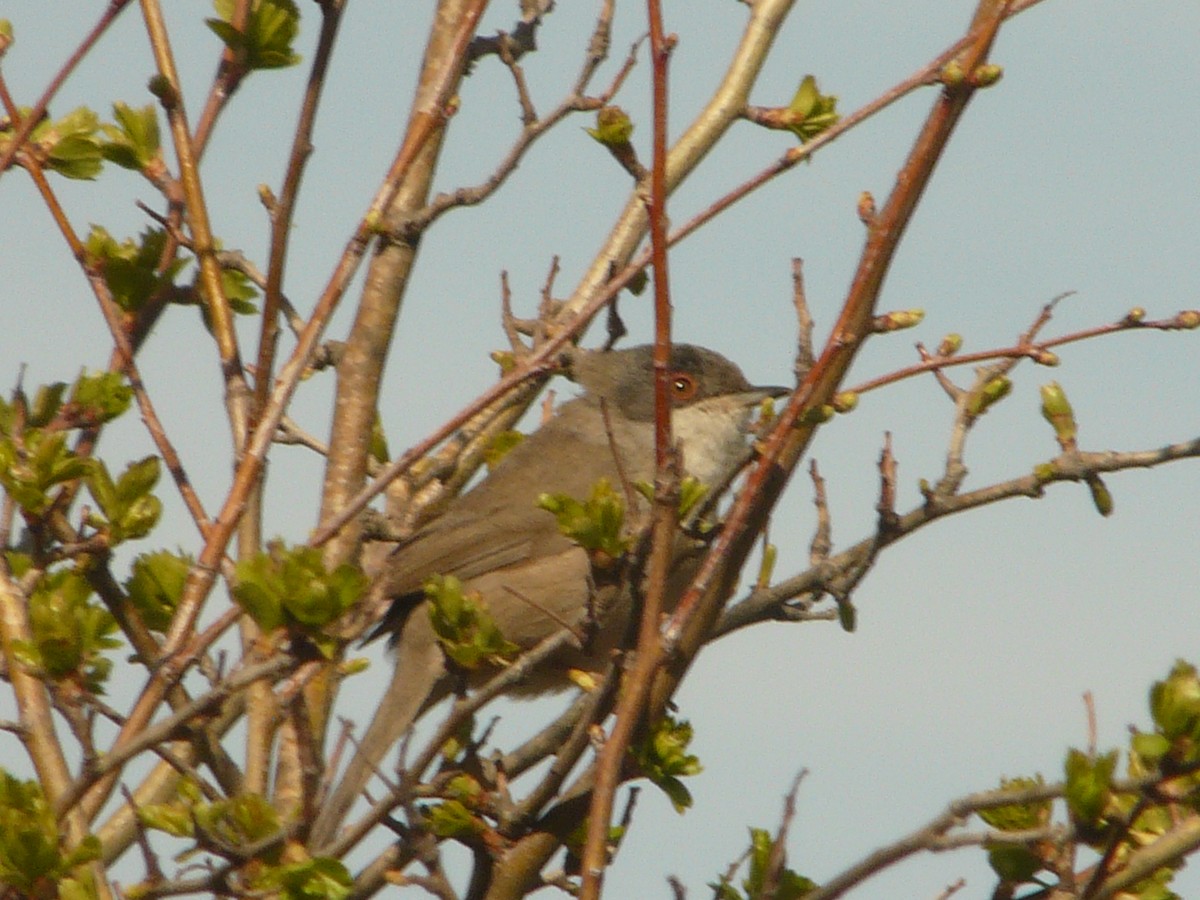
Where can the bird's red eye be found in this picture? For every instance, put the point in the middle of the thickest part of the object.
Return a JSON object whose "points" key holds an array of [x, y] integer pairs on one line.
{"points": [[683, 387]]}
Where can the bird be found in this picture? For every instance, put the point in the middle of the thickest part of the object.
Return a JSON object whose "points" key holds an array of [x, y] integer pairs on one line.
{"points": [[504, 548]]}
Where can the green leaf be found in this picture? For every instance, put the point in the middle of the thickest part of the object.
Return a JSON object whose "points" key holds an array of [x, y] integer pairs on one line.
{"points": [[319, 878], [47, 401], [1014, 863], [69, 634], [1175, 703], [594, 524], [28, 471], [1089, 783], [29, 836], [293, 587], [466, 631], [789, 884], [452, 819], [663, 758], [70, 145], [129, 510], [171, 818], [379, 445], [810, 111], [129, 268], [239, 291], [1018, 816], [134, 141], [156, 586], [244, 819], [270, 31]]}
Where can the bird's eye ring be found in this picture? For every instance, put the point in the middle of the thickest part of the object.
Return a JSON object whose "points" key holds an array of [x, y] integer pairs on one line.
{"points": [[683, 387]]}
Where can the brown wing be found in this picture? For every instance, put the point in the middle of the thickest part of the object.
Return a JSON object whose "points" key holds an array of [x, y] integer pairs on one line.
{"points": [[498, 523]]}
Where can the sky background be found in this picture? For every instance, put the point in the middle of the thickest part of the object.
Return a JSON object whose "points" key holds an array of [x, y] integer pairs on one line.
{"points": [[977, 636]]}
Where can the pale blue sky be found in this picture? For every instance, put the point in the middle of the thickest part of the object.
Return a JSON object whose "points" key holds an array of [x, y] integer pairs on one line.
{"points": [[977, 636]]}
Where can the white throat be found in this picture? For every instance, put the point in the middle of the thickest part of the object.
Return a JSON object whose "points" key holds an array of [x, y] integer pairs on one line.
{"points": [[712, 434]]}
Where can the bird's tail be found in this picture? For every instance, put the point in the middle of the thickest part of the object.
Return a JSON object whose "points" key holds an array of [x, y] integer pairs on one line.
{"points": [[419, 673]]}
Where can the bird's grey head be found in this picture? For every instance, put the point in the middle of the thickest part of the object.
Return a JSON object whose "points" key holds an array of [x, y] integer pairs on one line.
{"points": [[712, 402]]}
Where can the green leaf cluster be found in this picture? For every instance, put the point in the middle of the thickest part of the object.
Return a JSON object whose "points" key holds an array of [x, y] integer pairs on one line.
{"points": [[786, 885], [131, 269], [1089, 788], [594, 524], [692, 492], [453, 819], [155, 586], [32, 465], [663, 758], [292, 588], [1175, 708], [68, 633], [239, 291], [32, 860], [267, 40], [235, 822], [810, 111], [1018, 816], [69, 146], [133, 141], [127, 509], [34, 455], [468, 634], [318, 878], [240, 822], [1013, 862], [99, 397], [458, 816]]}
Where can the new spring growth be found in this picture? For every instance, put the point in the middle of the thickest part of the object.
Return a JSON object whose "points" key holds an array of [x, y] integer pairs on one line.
{"points": [[807, 114], [1189, 318], [950, 344], [613, 126], [987, 75], [897, 320], [767, 567], [1044, 357], [810, 111], [866, 207], [613, 130], [952, 74], [845, 401], [992, 391], [1135, 316], [1057, 411], [1101, 496]]}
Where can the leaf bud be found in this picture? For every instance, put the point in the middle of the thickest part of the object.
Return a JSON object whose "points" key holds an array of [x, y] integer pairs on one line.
{"points": [[986, 75], [845, 401], [1101, 496], [1056, 409], [950, 344], [1189, 318]]}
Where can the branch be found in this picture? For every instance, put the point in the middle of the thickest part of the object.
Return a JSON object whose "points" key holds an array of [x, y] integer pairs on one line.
{"points": [[770, 604]]}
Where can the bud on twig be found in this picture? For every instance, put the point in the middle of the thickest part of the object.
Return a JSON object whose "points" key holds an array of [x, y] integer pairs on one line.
{"points": [[1056, 409]]}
